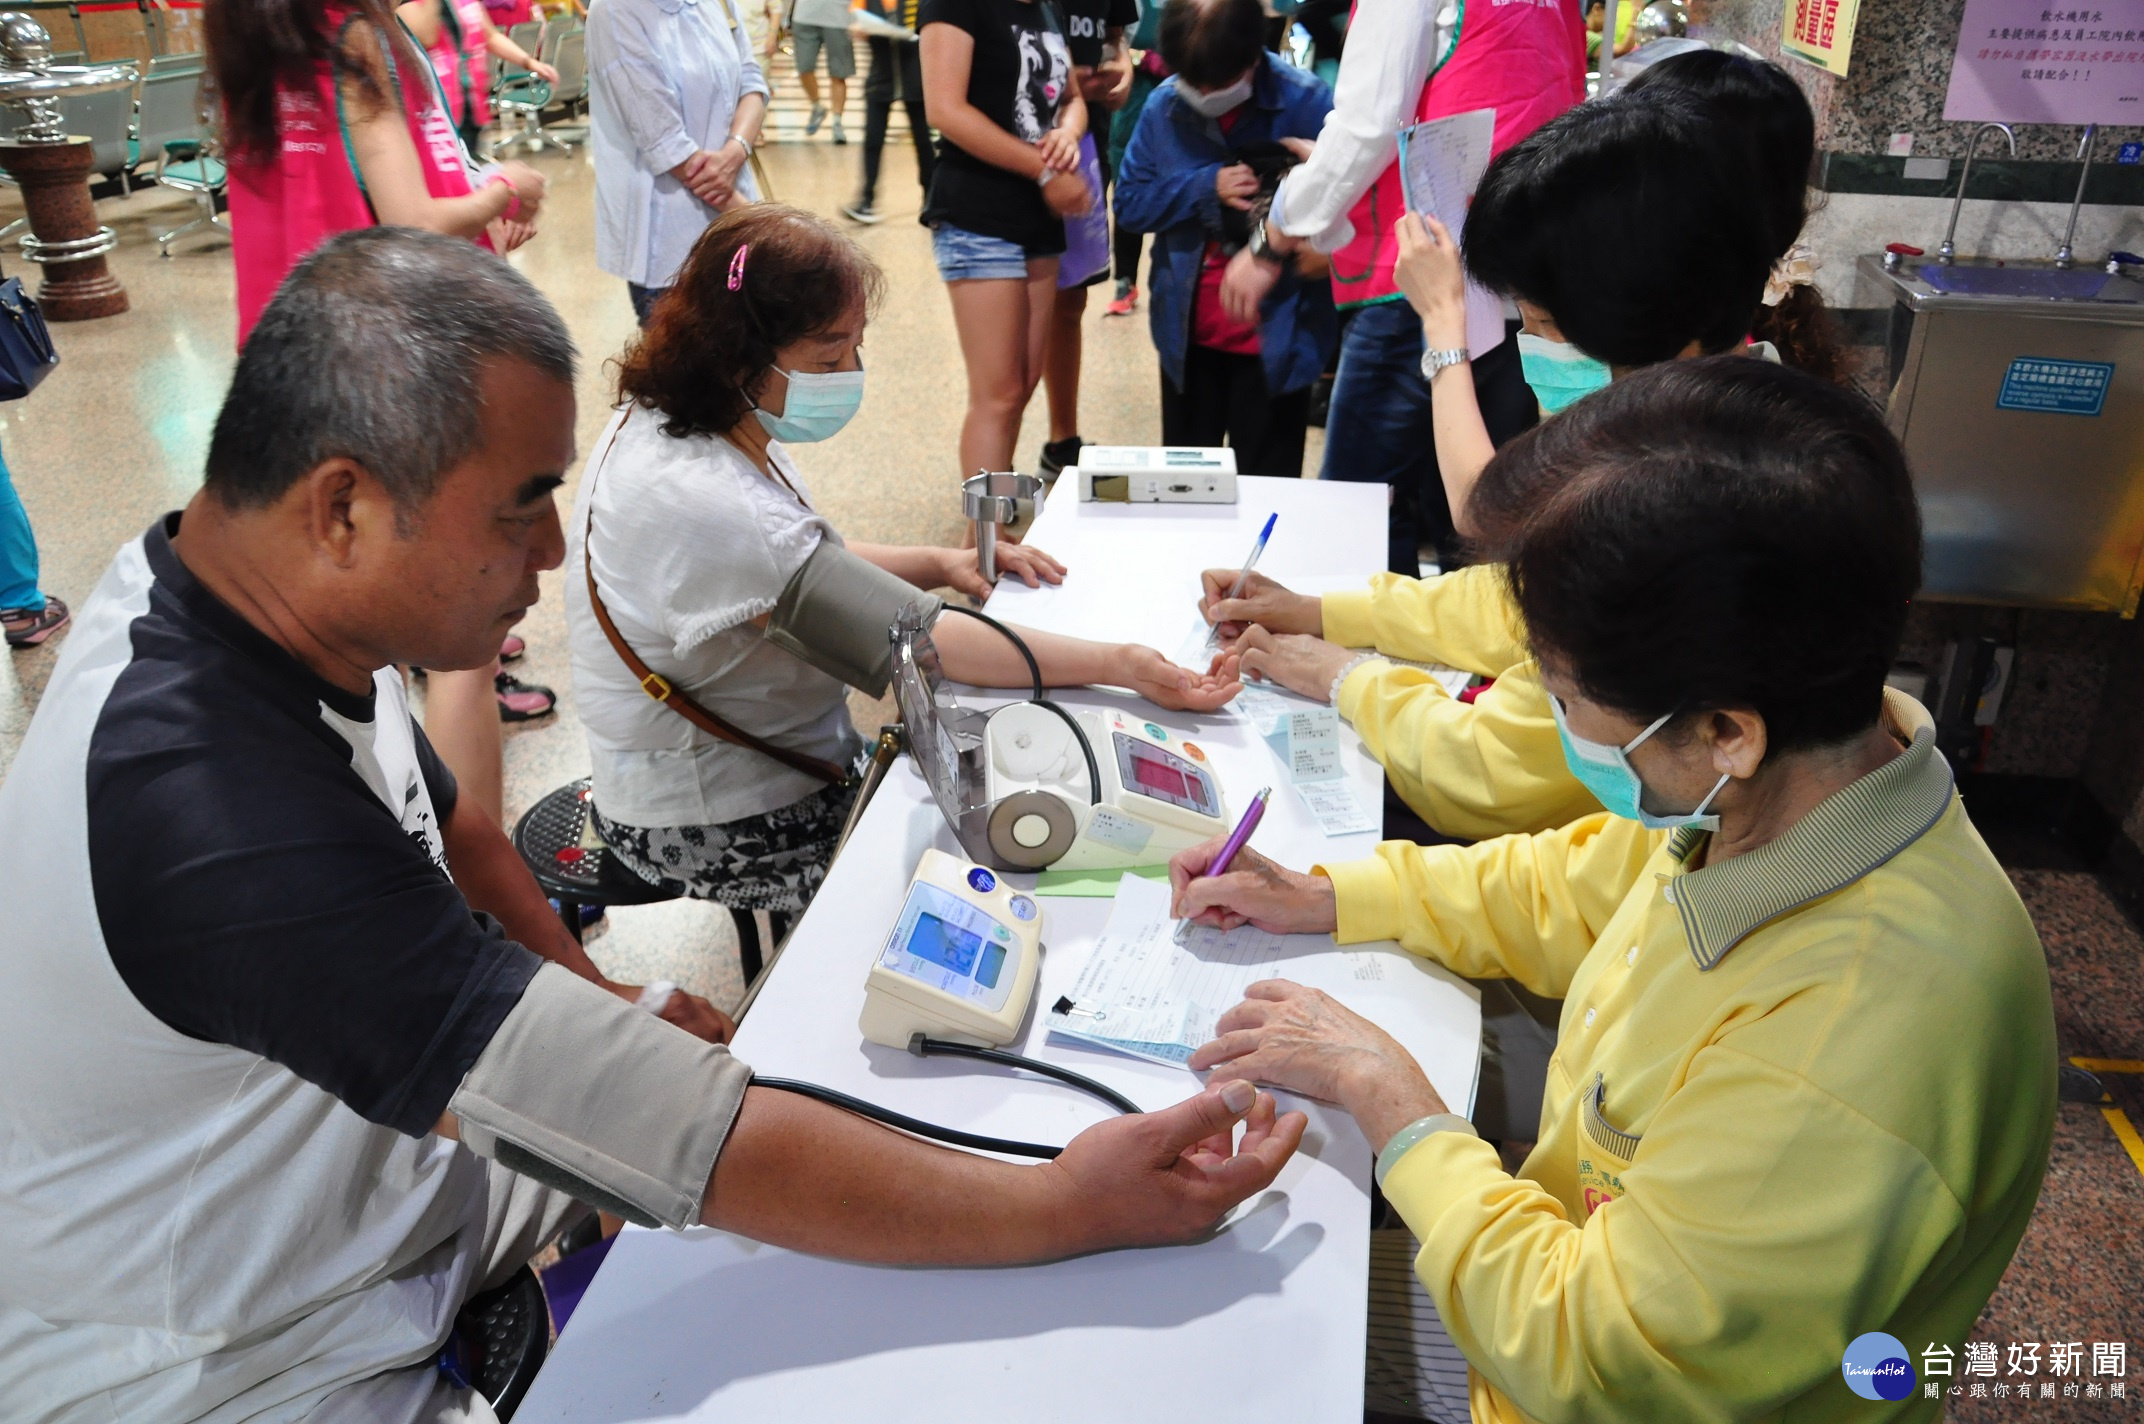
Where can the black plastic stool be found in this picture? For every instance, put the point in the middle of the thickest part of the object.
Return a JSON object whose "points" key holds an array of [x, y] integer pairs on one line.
{"points": [[549, 838], [505, 1334]]}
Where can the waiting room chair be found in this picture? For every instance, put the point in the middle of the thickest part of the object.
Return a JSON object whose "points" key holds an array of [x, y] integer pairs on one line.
{"points": [[522, 101], [170, 134], [571, 863]]}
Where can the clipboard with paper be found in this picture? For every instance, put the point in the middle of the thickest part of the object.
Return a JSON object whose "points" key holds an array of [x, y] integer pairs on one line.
{"points": [[1441, 163]]}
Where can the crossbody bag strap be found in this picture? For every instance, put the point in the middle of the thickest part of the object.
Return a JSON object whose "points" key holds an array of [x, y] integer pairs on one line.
{"points": [[660, 688]]}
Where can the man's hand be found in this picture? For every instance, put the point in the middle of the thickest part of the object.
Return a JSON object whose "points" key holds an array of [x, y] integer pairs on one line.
{"points": [[1308, 1042], [543, 71], [1060, 150], [1245, 285], [1236, 185], [1159, 1178], [1429, 272], [1296, 661], [689, 1012], [1067, 195], [1164, 684], [963, 568], [1264, 602], [1254, 891]]}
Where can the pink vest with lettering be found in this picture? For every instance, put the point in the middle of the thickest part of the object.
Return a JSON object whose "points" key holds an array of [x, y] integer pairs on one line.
{"points": [[462, 62], [284, 206], [1523, 58]]}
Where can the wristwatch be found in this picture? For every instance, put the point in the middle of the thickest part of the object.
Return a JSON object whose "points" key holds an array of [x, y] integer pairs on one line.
{"points": [[1435, 361], [1261, 247]]}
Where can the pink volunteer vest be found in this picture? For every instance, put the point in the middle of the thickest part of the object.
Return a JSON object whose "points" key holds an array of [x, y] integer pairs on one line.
{"points": [[307, 191], [464, 65], [1523, 58]]}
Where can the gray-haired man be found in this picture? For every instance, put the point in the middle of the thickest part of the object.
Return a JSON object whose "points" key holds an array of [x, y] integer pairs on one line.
{"points": [[284, 1086]]}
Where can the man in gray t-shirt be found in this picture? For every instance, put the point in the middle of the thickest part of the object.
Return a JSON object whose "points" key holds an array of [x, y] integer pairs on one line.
{"points": [[817, 25]]}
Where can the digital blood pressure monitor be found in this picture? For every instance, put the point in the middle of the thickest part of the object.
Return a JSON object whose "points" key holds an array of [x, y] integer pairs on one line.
{"points": [[1157, 793], [961, 961]]}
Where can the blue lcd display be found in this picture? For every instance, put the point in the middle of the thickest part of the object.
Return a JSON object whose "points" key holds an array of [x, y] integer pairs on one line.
{"points": [[993, 961], [939, 943]]}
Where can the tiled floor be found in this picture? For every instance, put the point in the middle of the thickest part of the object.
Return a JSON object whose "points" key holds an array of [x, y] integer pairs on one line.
{"points": [[117, 435]]}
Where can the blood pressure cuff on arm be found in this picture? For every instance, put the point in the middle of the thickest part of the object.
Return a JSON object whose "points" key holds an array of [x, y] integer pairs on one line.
{"points": [[589, 1095], [836, 614]]}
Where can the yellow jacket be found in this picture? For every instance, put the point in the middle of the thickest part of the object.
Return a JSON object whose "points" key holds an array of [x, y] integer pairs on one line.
{"points": [[1798, 1096], [1473, 770]]}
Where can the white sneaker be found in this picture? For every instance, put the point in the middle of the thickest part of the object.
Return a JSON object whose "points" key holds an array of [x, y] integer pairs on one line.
{"points": [[839, 136]]}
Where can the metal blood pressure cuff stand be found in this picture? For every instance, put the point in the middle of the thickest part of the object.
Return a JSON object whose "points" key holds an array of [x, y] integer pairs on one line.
{"points": [[835, 612], [603, 1101]]}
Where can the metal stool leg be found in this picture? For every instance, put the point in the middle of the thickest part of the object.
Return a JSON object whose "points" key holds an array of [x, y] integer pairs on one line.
{"points": [[748, 950], [569, 911]]}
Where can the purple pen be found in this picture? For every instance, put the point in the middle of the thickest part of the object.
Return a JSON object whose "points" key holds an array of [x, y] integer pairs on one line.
{"points": [[1237, 838]]}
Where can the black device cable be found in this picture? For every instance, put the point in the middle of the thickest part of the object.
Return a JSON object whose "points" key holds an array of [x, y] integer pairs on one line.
{"points": [[1034, 669], [924, 1047]]}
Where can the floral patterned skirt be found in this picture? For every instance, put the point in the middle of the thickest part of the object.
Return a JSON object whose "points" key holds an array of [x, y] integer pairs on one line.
{"points": [[773, 861]]}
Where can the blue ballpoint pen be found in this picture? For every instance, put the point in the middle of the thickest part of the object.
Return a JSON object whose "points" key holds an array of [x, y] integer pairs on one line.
{"points": [[1237, 838], [1243, 575]]}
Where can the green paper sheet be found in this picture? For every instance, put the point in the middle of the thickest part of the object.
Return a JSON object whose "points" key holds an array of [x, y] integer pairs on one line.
{"points": [[1092, 884]]}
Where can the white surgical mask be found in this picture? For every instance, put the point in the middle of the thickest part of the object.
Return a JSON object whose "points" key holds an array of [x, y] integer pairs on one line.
{"points": [[1220, 101], [819, 403]]}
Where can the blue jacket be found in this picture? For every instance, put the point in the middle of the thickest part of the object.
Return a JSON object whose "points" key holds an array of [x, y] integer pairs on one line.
{"points": [[1166, 188]]}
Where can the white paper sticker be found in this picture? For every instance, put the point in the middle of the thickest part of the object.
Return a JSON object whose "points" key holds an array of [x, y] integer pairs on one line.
{"points": [[1313, 745], [1111, 827], [1336, 807]]}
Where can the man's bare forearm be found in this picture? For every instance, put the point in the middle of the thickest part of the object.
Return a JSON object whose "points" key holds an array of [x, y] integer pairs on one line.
{"points": [[804, 1175]]}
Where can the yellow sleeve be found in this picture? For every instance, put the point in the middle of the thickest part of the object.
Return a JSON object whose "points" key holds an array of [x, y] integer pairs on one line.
{"points": [[1517, 907], [1475, 769], [1762, 1225], [1464, 619]]}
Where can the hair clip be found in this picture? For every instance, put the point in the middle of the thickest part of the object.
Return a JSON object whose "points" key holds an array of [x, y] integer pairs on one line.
{"points": [[737, 266]]}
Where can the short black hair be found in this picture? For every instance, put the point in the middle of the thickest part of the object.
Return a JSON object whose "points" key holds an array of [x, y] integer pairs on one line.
{"points": [[1718, 533], [372, 351], [1759, 102], [1212, 43], [1633, 223]]}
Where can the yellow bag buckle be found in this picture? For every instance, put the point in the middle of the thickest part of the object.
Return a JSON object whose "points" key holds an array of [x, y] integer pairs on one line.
{"points": [[656, 687]]}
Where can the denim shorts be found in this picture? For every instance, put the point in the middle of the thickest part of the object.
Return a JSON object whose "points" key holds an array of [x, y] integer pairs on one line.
{"points": [[965, 256]]}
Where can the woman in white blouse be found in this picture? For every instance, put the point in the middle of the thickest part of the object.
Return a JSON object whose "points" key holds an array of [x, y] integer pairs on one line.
{"points": [[700, 519], [675, 100]]}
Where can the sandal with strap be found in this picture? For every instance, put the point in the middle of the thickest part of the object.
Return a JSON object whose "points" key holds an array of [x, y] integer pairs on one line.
{"points": [[28, 627], [523, 701]]}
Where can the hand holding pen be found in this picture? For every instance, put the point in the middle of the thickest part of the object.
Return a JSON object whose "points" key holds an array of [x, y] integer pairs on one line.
{"points": [[1230, 848], [1243, 577], [1249, 890]]}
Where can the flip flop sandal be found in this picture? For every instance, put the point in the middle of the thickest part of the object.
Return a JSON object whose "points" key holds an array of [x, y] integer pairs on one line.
{"points": [[523, 701], [512, 648], [28, 627]]}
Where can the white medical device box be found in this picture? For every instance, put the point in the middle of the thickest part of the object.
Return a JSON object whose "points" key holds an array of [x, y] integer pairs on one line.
{"points": [[961, 961], [1156, 474], [1159, 792]]}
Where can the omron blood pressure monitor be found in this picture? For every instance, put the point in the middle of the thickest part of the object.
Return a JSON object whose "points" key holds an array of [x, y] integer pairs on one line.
{"points": [[1157, 794], [961, 961]]}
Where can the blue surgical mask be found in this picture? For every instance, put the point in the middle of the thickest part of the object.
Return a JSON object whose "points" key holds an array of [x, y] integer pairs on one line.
{"points": [[1605, 771], [818, 405], [1559, 372]]}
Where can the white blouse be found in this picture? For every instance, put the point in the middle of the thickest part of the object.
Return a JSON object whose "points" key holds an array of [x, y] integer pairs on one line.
{"points": [[692, 543], [664, 80]]}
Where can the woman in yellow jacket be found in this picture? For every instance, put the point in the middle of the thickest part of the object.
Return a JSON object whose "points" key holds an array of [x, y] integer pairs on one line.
{"points": [[1689, 174], [1805, 1084]]}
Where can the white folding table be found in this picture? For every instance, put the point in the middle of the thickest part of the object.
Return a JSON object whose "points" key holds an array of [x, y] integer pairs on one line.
{"points": [[1263, 1321]]}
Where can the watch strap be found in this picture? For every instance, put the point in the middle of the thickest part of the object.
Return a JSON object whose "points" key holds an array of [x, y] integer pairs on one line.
{"points": [[1434, 361]]}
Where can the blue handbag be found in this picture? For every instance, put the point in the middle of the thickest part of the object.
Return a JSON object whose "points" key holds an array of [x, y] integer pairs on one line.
{"points": [[26, 352]]}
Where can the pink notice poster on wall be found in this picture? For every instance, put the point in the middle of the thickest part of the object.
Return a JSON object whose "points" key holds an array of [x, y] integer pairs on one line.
{"points": [[2039, 62]]}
